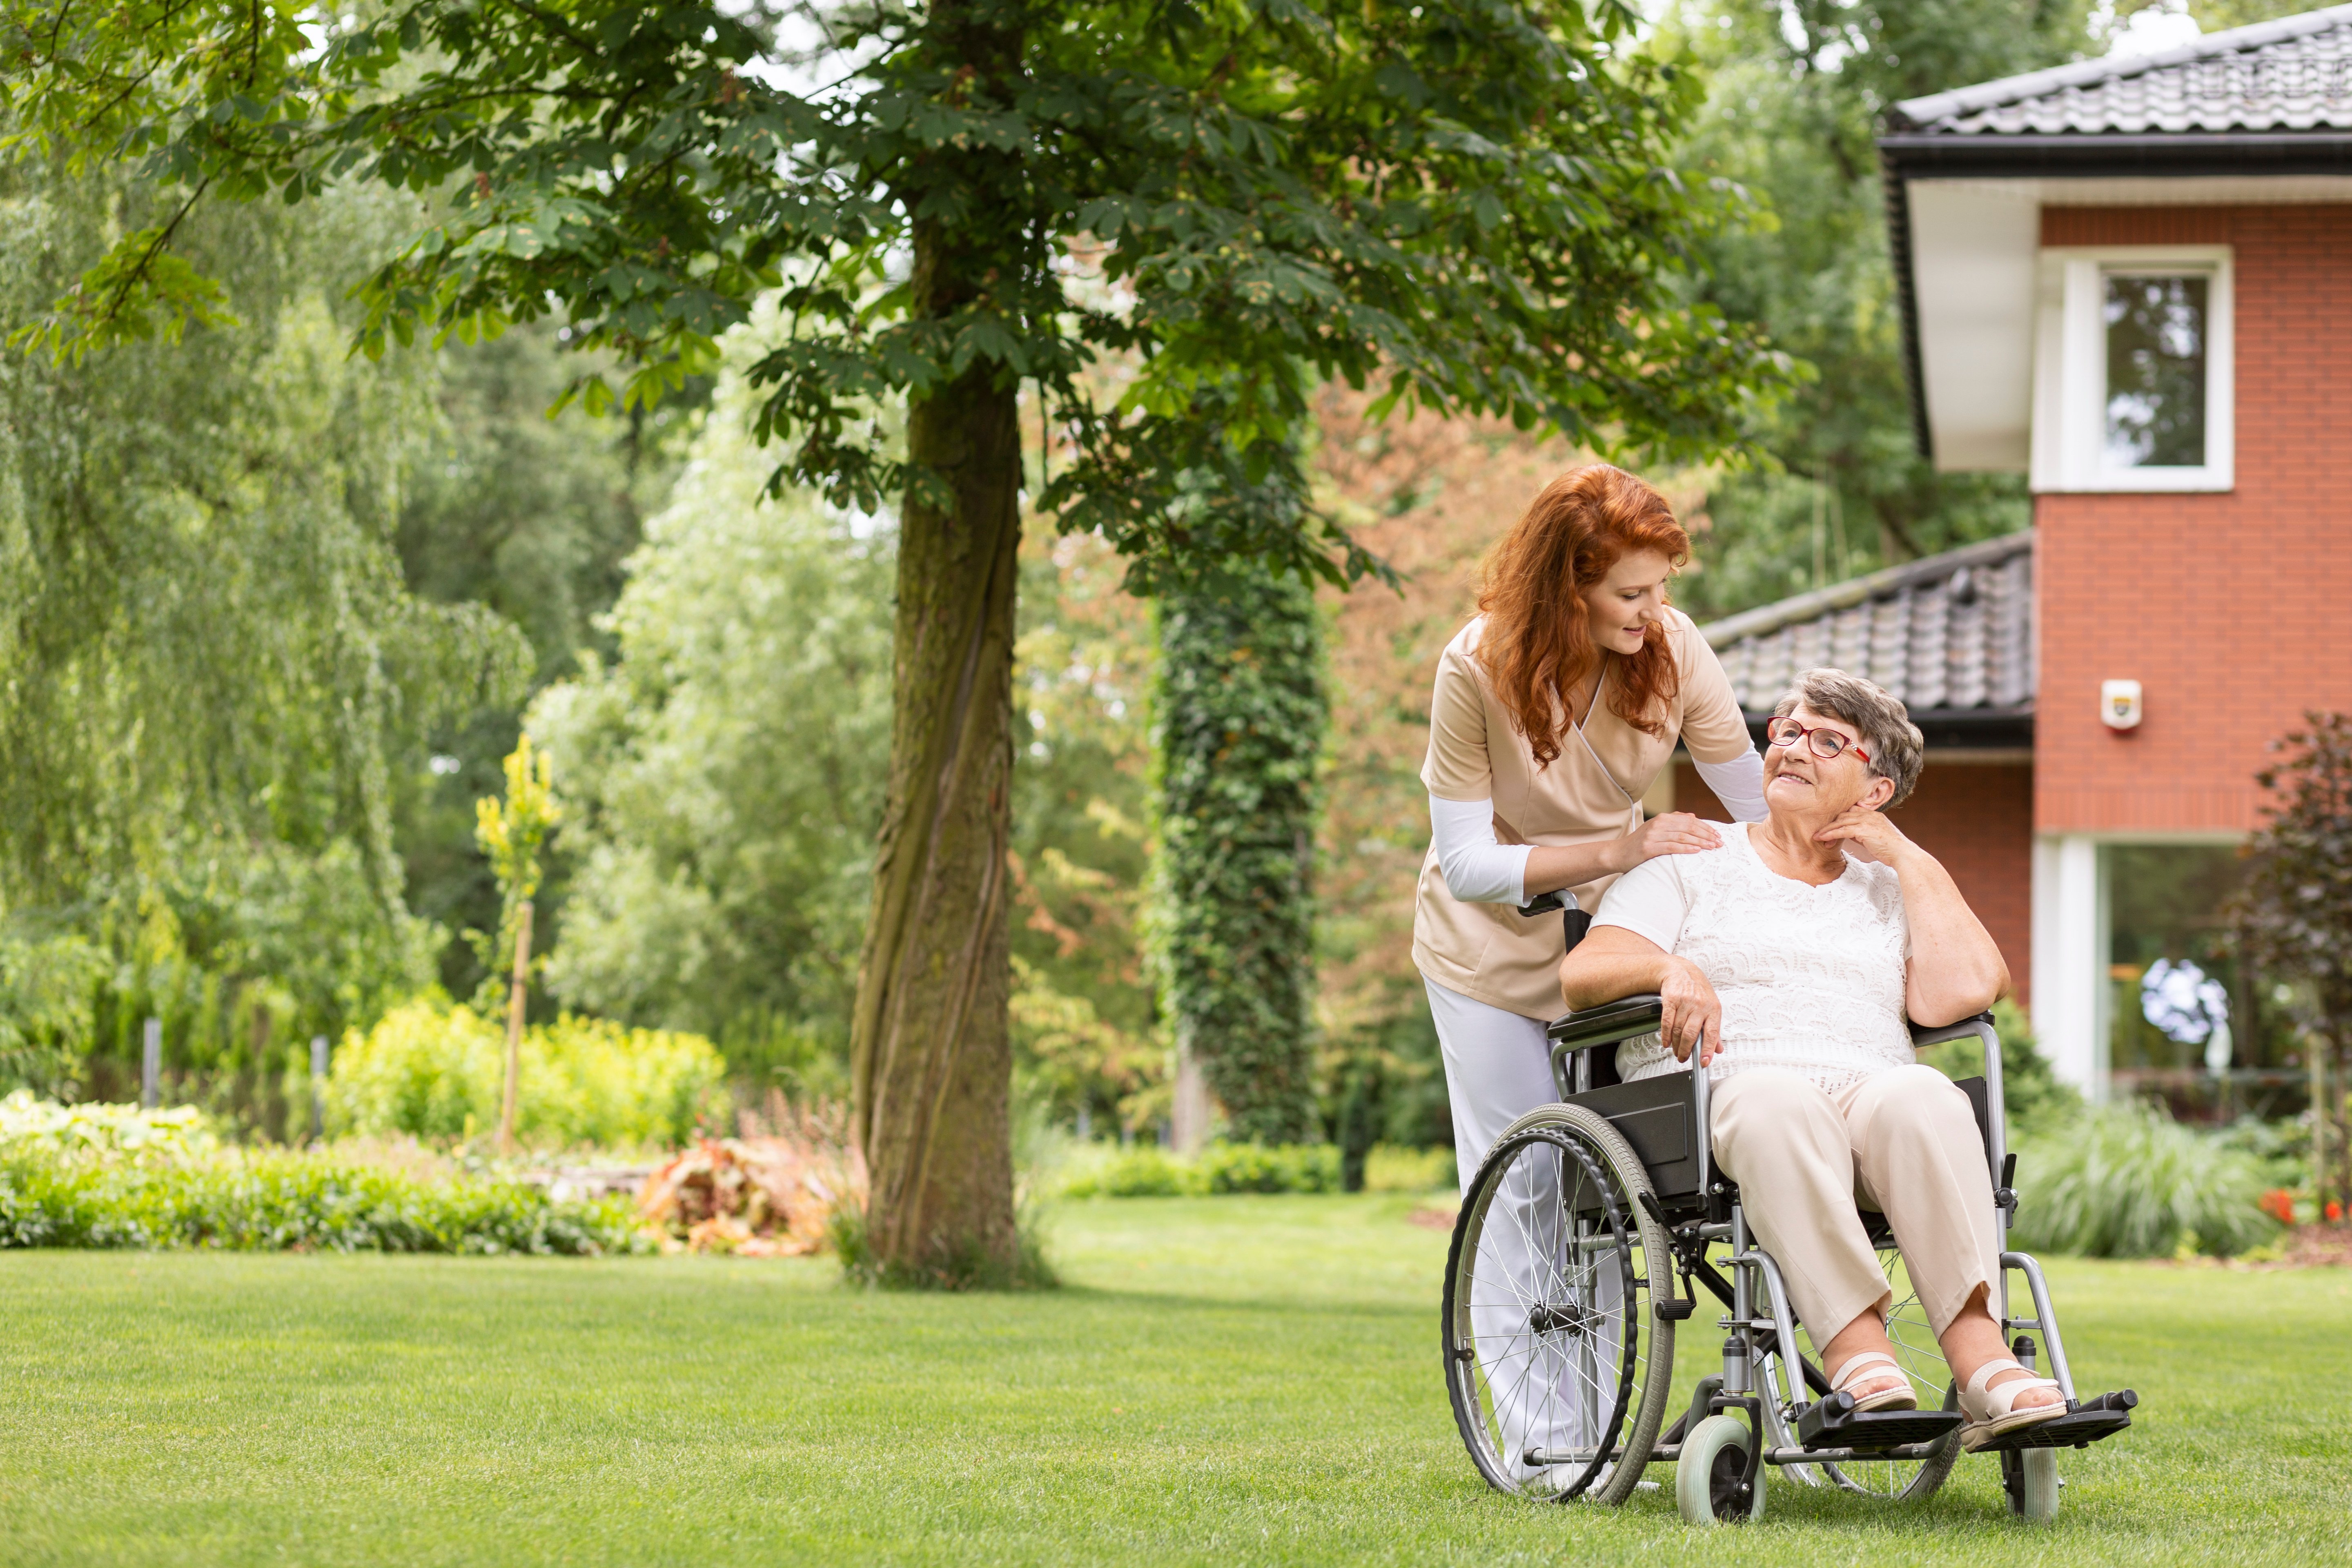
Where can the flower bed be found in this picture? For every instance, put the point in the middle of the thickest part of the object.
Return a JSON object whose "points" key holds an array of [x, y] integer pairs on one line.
{"points": [[116, 1176]]}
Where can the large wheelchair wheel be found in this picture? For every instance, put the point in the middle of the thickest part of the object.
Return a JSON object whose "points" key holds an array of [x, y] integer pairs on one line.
{"points": [[1922, 1361], [1557, 1368]]}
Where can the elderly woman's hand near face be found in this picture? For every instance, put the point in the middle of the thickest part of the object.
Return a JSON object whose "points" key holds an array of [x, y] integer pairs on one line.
{"points": [[1955, 968], [1867, 835]]}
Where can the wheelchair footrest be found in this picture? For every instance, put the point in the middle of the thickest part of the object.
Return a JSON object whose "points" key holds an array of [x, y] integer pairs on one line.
{"points": [[1834, 1422], [2103, 1415]]}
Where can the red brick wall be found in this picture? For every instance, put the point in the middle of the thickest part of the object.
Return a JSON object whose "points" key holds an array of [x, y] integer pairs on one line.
{"points": [[2234, 611], [1978, 819]]}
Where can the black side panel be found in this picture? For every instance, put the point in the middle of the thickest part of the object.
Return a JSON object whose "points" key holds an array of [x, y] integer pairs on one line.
{"points": [[1654, 1115], [1974, 1088]]}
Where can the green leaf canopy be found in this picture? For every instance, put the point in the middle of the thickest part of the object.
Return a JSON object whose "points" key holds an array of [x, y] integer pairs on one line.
{"points": [[1462, 201]]}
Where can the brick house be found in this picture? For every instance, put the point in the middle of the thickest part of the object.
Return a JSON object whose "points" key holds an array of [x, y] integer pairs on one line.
{"points": [[2131, 281]]}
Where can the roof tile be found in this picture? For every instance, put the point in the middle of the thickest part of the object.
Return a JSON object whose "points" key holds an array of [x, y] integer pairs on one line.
{"points": [[2293, 74], [1950, 634]]}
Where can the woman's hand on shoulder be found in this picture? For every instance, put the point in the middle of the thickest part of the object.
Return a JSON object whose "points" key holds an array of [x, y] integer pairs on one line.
{"points": [[1676, 833], [1867, 835], [1691, 1018]]}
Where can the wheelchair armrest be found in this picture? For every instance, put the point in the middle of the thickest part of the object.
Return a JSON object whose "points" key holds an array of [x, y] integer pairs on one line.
{"points": [[1607, 1024], [1993, 1112], [1965, 1029]]}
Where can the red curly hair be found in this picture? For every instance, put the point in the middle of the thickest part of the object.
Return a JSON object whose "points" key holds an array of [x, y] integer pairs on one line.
{"points": [[1537, 646]]}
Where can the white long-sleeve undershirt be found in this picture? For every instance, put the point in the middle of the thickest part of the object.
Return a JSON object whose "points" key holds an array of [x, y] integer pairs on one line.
{"points": [[1480, 869], [1738, 783], [1477, 868]]}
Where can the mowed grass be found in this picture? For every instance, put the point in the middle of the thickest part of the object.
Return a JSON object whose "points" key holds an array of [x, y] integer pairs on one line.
{"points": [[1224, 1381]]}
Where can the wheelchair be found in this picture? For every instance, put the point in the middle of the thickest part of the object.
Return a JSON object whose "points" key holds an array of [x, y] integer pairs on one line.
{"points": [[1561, 1309]]}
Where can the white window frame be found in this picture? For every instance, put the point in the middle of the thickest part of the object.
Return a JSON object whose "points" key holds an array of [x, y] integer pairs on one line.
{"points": [[2070, 372]]}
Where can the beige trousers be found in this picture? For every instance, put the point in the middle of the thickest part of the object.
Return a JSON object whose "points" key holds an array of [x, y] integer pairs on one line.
{"points": [[1904, 1143]]}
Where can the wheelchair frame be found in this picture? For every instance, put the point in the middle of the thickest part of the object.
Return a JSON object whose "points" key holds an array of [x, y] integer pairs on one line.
{"points": [[1698, 1209]]}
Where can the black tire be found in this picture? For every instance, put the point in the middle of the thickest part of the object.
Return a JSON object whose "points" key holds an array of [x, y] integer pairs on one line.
{"points": [[1550, 1342]]}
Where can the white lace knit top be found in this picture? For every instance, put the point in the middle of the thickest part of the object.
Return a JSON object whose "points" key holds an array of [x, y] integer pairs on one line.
{"points": [[1811, 978]]}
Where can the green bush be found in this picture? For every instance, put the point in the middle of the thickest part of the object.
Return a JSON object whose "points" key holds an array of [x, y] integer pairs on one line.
{"points": [[1389, 1169], [1269, 1168], [2031, 1087], [52, 1195], [1150, 1171], [437, 1071], [2126, 1180], [1144, 1172]]}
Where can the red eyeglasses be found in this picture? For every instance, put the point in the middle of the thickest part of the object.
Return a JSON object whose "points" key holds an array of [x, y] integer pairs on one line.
{"points": [[1826, 744]]}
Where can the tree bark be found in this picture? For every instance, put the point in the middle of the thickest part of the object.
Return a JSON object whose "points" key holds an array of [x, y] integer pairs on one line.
{"points": [[518, 996], [930, 1058], [931, 1061]]}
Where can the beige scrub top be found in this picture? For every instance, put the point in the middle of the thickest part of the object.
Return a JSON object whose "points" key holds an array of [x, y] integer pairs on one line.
{"points": [[1486, 951]]}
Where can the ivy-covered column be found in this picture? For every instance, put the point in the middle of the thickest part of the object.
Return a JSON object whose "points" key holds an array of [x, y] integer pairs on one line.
{"points": [[1239, 719]]}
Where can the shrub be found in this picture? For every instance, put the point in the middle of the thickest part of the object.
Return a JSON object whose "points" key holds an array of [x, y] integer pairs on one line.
{"points": [[435, 1071], [1150, 1171], [1269, 1168], [2126, 1180], [56, 1192], [2036, 1097], [1144, 1172], [103, 1129], [1389, 1169]]}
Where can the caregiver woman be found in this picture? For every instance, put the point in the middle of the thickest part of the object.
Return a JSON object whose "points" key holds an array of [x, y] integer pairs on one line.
{"points": [[1555, 711]]}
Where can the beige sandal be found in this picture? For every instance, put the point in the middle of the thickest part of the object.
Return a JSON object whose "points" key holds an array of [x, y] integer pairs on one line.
{"points": [[1991, 1412], [1899, 1397]]}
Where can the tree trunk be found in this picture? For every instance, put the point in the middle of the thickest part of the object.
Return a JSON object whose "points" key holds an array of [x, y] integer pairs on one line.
{"points": [[2332, 1127], [931, 1061], [930, 1056], [517, 997]]}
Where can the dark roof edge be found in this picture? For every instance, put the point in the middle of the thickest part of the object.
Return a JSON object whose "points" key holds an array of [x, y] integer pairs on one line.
{"points": [[1843, 595], [2083, 73], [1916, 155], [1897, 193]]}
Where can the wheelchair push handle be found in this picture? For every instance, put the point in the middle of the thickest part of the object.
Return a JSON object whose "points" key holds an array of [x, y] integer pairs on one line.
{"points": [[1573, 921]]}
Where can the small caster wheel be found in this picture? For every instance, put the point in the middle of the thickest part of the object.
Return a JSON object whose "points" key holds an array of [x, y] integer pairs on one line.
{"points": [[2030, 1476], [1706, 1477]]}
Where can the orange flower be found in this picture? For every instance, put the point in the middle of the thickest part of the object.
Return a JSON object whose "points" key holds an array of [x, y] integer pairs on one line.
{"points": [[2279, 1204]]}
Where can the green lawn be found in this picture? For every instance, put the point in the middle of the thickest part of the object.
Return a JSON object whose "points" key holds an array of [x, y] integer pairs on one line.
{"points": [[1226, 1379]]}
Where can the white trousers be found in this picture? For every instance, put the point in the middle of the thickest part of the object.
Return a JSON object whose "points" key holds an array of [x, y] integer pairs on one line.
{"points": [[1550, 1392], [1497, 1069]]}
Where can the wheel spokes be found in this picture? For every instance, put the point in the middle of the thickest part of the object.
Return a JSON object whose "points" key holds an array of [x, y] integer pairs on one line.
{"points": [[1551, 1316]]}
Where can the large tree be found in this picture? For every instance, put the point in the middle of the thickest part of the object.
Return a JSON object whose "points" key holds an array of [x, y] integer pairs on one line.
{"points": [[1197, 204]]}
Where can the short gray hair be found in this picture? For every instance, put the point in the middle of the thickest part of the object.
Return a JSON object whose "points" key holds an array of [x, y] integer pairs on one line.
{"points": [[1895, 746]]}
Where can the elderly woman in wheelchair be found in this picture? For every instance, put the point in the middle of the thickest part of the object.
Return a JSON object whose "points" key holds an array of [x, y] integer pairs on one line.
{"points": [[1797, 963]]}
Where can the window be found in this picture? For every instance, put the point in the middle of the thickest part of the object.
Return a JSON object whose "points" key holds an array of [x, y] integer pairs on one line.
{"points": [[2155, 370], [2185, 1024], [2133, 385]]}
